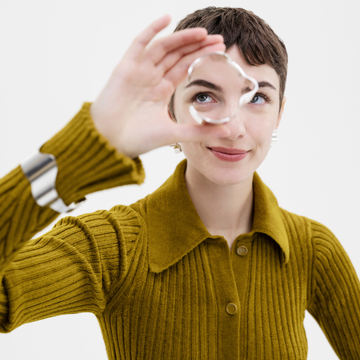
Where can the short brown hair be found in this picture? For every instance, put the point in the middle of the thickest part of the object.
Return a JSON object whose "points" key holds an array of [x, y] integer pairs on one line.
{"points": [[254, 37]]}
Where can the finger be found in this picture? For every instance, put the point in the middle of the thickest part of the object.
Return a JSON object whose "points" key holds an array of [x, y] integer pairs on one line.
{"points": [[139, 43], [171, 59], [163, 46], [178, 72]]}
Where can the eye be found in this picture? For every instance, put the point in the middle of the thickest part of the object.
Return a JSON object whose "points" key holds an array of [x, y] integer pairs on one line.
{"points": [[259, 99], [202, 98]]}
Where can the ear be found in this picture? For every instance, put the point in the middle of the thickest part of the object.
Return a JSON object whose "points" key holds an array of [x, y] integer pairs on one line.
{"points": [[281, 112]]}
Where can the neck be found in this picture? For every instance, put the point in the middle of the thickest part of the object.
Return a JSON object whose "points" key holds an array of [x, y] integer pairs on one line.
{"points": [[224, 209]]}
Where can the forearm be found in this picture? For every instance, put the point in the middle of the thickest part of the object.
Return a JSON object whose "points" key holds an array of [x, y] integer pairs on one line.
{"points": [[86, 163], [20, 217]]}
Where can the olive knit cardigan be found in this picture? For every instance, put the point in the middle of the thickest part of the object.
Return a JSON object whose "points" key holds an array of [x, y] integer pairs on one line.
{"points": [[159, 284]]}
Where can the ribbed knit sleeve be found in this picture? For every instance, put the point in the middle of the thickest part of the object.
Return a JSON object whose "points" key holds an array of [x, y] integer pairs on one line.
{"points": [[335, 302], [70, 269], [68, 264]]}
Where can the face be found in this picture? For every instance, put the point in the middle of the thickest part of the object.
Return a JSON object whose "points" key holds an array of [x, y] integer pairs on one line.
{"points": [[251, 129]]}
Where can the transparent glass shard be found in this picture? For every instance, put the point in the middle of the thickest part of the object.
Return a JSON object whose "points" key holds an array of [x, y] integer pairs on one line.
{"points": [[218, 88]]}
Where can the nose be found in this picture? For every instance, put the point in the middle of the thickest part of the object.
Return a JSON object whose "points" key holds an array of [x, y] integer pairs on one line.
{"points": [[236, 124]]}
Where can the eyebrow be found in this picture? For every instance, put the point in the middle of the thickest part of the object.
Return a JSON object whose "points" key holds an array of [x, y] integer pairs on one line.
{"points": [[266, 84], [210, 85], [205, 83]]}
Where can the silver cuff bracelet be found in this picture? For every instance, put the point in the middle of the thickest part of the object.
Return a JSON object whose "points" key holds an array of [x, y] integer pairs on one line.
{"points": [[41, 170]]}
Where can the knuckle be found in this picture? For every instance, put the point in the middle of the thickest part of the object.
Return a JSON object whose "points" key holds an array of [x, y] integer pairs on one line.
{"points": [[161, 45], [186, 61], [164, 47]]}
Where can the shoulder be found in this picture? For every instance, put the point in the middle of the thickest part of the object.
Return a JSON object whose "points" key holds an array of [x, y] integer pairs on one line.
{"points": [[117, 217], [128, 222], [114, 231], [305, 225], [316, 234]]}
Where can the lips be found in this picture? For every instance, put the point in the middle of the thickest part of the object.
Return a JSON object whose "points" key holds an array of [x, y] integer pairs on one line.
{"points": [[230, 151]]}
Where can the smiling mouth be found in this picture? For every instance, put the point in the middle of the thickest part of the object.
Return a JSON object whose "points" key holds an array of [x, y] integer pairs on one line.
{"points": [[228, 151]]}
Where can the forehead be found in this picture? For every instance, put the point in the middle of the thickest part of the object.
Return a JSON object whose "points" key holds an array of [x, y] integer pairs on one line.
{"points": [[260, 72]]}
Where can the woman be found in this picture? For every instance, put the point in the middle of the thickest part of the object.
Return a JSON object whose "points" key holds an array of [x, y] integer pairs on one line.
{"points": [[207, 266]]}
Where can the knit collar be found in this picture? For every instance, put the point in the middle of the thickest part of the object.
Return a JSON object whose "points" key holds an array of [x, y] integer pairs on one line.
{"points": [[175, 228]]}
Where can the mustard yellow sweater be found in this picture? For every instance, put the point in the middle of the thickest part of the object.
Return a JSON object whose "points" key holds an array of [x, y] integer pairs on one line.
{"points": [[159, 284]]}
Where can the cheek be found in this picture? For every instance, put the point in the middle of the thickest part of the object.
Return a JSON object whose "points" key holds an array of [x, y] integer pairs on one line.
{"points": [[194, 153], [261, 130]]}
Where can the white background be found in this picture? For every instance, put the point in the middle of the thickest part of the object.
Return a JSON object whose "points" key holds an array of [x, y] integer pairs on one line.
{"points": [[55, 55]]}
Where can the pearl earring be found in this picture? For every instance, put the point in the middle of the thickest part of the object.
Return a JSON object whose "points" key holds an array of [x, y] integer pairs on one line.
{"points": [[177, 148], [273, 138]]}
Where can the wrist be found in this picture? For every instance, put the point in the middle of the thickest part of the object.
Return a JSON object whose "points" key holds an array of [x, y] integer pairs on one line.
{"points": [[86, 161]]}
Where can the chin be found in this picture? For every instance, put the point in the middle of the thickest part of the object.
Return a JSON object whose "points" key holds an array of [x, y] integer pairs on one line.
{"points": [[227, 176]]}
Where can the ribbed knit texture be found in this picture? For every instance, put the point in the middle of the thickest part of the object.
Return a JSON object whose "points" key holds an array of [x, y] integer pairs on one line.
{"points": [[157, 281]]}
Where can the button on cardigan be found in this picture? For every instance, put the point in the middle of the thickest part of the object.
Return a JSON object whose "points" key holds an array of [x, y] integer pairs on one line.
{"points": [[160, 286]]}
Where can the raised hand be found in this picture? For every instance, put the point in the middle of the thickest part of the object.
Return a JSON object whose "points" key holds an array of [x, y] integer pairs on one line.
{"points": [[132, 109]]}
